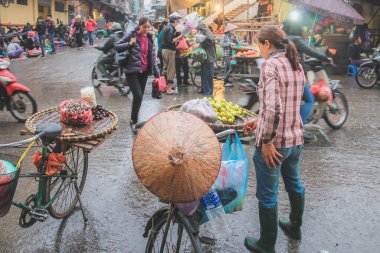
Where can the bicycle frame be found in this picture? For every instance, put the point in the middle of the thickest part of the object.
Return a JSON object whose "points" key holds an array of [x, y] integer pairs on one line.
{"points": [[40, 176]]}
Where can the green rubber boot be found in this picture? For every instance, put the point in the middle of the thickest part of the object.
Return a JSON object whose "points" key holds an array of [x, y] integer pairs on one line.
{"points": [[292, 226], [268, 232]]}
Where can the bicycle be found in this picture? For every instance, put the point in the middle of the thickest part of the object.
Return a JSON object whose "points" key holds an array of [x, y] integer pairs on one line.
{"points": [[58, 193], [170, 230]]}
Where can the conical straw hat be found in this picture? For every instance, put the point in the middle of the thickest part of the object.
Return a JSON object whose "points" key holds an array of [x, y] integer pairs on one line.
{"points": [[176, 156], [230, 27]]}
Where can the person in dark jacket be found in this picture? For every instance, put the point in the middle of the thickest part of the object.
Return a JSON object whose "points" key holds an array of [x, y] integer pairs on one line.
{"points": [[78, 31], [51, 32], [142, 63], [207, 67], [168, 43], [108, 55], [41, 31], [355, 50], [294, 32], [27, 28]]}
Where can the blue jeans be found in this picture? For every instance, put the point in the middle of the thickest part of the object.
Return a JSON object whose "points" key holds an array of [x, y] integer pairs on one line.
{"points": [[41, 39], [267, 179], [207, 74], [91, 38], [308, 106], [51, 39], [227, 61]]}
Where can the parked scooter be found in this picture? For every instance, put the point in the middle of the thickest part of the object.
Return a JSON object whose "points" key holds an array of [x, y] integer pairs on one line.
{"points": [[368, 73], [117, 79], [99, 34], [15, 97]]}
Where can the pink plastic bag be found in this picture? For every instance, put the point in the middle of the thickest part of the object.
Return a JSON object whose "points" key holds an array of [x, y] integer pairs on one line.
{"points": [[160, 82]]}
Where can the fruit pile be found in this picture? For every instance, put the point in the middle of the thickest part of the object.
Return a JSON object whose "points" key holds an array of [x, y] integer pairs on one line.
{"points": [[249, 53], [99, 112], [227, 112], [75, 112]]}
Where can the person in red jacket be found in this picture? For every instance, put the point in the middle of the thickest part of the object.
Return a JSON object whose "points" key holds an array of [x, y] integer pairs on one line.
{"points": [[91, 26]]}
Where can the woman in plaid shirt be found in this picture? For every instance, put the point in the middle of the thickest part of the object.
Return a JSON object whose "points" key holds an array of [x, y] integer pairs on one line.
{"points": [[279, 137]]}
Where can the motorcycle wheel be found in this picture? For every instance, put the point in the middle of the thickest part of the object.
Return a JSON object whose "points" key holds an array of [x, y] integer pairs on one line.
{"points": [[94, 79], [72, 43], [367, 76], [99, 36], [336, 114], [22, 105]]}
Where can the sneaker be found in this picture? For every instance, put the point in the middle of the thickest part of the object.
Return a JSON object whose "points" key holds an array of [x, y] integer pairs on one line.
{"points": [[228, 85]]}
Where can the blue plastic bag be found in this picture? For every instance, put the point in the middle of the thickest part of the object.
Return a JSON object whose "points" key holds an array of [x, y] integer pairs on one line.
{"points": [[232, 181]]}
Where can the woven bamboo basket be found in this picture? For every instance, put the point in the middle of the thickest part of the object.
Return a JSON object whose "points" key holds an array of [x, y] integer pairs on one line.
{"points": [[94, 130], [217, 127]]}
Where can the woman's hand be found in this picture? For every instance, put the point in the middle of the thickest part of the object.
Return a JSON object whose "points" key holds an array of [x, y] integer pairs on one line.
{"points": [[250, 126], [270, 155], [132, 41]]}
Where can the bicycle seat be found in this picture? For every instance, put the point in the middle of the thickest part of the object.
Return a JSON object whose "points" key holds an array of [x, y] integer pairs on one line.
{"points": [[50, 130]]}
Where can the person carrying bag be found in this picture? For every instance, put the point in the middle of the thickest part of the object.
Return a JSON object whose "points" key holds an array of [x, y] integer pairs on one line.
{"points": [[142, 62]]}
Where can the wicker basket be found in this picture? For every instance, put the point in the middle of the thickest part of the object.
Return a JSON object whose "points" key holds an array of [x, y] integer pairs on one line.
{"points": [[217, 127], [94, 130]]}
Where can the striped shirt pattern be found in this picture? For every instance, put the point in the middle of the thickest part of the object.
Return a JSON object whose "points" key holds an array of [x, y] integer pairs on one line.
{"points": [[280, 91]]}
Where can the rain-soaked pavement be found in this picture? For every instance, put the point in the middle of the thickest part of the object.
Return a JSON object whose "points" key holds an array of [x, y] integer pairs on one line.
{"points": [[342, 182]]}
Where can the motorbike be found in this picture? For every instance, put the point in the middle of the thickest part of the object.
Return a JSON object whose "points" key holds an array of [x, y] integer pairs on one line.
{"points": [[334, 112], [117, 79], [368, 74], [99, 34], [14, 97]]}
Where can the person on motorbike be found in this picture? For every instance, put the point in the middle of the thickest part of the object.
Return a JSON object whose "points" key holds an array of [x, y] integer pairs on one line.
{"points": [[108, 55], [294, 33]]}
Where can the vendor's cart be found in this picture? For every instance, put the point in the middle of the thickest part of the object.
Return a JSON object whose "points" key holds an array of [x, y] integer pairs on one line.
{"points": [[62, 164]]}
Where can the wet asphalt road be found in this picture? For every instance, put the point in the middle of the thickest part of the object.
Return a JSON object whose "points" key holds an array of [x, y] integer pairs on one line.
{"points": [[342, 182]]}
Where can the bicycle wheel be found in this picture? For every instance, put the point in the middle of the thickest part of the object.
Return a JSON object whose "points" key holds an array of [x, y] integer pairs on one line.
{"points": [[195, 74], [336, 114], [73, 172], [180, 237]]}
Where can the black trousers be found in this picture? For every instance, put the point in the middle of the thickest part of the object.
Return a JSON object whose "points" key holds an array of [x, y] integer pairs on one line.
{"points": [[159, 55], [137, 82], [79, 39], [182, 63]]}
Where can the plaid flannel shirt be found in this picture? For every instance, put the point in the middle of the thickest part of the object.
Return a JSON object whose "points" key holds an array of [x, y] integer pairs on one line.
{"points": [[280, 91], [226, 41]]}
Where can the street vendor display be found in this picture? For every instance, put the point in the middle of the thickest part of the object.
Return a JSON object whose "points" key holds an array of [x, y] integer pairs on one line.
{"points": [[80, 119], [219, 114]]}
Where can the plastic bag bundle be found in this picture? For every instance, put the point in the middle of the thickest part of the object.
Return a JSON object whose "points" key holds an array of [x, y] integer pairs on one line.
{"points": [[201, 108], [88, 94], [200, 38], [199, 55], [191, 23]]}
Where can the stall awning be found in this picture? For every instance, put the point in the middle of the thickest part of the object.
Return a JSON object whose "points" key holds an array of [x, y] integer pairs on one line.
{"points": [[176, 5], [334, 8]]}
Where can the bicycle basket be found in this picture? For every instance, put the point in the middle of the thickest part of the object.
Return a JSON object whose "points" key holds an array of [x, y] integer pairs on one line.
{"points": [[9, 175]]}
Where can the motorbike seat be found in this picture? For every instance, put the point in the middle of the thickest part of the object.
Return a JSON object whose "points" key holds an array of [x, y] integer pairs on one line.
{"points": [[50, 130], [313, 62]]}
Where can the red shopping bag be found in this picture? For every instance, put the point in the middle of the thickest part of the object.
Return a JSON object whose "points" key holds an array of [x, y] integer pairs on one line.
{"points": [[182, 44], [160, 82]]}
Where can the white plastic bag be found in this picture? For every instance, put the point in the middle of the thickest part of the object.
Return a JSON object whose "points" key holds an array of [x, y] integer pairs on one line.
{"points": [[200, 38], [201, 108], [88, 94]]}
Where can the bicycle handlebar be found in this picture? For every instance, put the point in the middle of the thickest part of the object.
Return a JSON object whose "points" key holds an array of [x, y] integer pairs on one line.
{"points": [[19, 143]]}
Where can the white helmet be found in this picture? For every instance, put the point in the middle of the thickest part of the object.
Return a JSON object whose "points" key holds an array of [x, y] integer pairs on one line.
{"points": [[115, 26]]}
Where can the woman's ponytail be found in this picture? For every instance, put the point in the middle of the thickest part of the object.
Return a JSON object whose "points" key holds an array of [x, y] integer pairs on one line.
{"points": [[292, 55]]}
